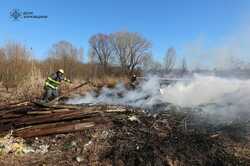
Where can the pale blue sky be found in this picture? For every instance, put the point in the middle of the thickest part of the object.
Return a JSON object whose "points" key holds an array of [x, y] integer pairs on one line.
{"points": [[165, 23]]}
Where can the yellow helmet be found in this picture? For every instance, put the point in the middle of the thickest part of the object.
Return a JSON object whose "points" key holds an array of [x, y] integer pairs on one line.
{"points": [[61, 71]]}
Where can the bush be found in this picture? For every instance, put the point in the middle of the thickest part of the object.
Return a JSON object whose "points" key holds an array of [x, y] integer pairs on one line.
{"points": [[15, 64], [32, 86]]}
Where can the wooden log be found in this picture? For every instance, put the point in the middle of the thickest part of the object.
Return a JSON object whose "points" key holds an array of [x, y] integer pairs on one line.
{"points": [[56, 117], [67, 93], [14, 105], [48, 118], [11, 115], [39, 112], [23, 103], [61, 110], [18, 109], [29, 118], [65, 107], [19, 117], [59, 106], [49, 129]]}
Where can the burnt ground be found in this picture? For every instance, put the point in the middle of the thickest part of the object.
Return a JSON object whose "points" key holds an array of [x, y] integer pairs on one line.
{"points": [[142, 137]]}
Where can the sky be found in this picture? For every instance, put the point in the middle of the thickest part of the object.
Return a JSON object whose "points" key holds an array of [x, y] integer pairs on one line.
{"points": [[166, 23]]}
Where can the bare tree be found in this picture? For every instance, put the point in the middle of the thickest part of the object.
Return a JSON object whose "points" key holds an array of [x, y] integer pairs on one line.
{"points": [[15, 64], [2, 63], [150, 65], [169, 60], [183, 67], [100, 46], [130, 48], [147, 63], [64, 55]]}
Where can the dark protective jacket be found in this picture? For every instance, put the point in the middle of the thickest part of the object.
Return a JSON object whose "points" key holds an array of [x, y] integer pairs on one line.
{"points": [[133, 79], [54, 80]]}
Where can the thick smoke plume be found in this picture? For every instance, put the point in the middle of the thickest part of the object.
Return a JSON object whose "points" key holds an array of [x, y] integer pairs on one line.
{"points": [[225, 97], [146, 94], [222, 98]]}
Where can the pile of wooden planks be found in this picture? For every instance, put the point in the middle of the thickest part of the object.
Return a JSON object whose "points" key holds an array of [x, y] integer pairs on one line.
{"points": [[30, 120]]}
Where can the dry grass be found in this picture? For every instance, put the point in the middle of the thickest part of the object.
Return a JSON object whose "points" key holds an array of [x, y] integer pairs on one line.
{"points": [[242, 151], [109, 82], [32, 86], [7, 96]]}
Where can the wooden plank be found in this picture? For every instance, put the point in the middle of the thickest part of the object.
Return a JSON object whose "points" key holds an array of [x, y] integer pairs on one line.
{"points": [[65, 106], [61, 110], [14, 105], [39, 117], [41, 104], [51, 129], [55, 117], [67, 93], [39, 112], [56, 106]]}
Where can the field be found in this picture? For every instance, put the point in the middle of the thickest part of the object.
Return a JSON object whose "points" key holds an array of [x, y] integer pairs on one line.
{"points": [[114, 134]]}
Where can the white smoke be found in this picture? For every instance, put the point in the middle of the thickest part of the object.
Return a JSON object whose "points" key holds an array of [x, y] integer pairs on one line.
{"points": [[203, 90], [221, 98], [146, 94], [214, 95]]}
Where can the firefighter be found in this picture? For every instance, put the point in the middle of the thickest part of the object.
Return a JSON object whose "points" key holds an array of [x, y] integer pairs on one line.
{"points": [[133, 81], [52, 83]]}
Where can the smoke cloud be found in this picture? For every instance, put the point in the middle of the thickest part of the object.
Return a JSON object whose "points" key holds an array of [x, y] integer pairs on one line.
{"points": [[147, 94], [223, 98]]}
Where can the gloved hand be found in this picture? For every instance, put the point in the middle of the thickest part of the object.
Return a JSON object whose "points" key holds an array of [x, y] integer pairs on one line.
{"points": [[68, 81]]}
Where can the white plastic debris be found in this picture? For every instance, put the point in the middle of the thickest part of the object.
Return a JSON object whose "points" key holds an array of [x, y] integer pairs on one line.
{"points": [[79, 159], [73, 143], [43, 149], [104, 134], [10, 144], [87, 144], [28, 150], [133, 118]]}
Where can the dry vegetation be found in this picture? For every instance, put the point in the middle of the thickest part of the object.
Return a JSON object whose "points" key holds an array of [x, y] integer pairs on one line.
{"points": [[22, 77], [111, 57], [118, 135]]}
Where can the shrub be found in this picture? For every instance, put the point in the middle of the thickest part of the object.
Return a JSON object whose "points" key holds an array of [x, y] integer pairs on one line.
{"points": [[32, 86]]}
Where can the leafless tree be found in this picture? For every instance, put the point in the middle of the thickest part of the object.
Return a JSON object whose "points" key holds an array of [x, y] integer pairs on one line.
{"points": [[169, 60], [15, 64], [2, 63], [147, 63], [184, 68], [130, 48], [100, 48], [64, 55], [150, 65]]}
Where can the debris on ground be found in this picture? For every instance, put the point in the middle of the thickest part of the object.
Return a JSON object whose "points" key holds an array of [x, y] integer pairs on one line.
{"points": [[10, 144], [94, 135]]}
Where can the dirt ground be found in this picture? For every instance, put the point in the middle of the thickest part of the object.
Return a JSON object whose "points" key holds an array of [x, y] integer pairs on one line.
{"points": [[154, 137], [162, 138]]}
